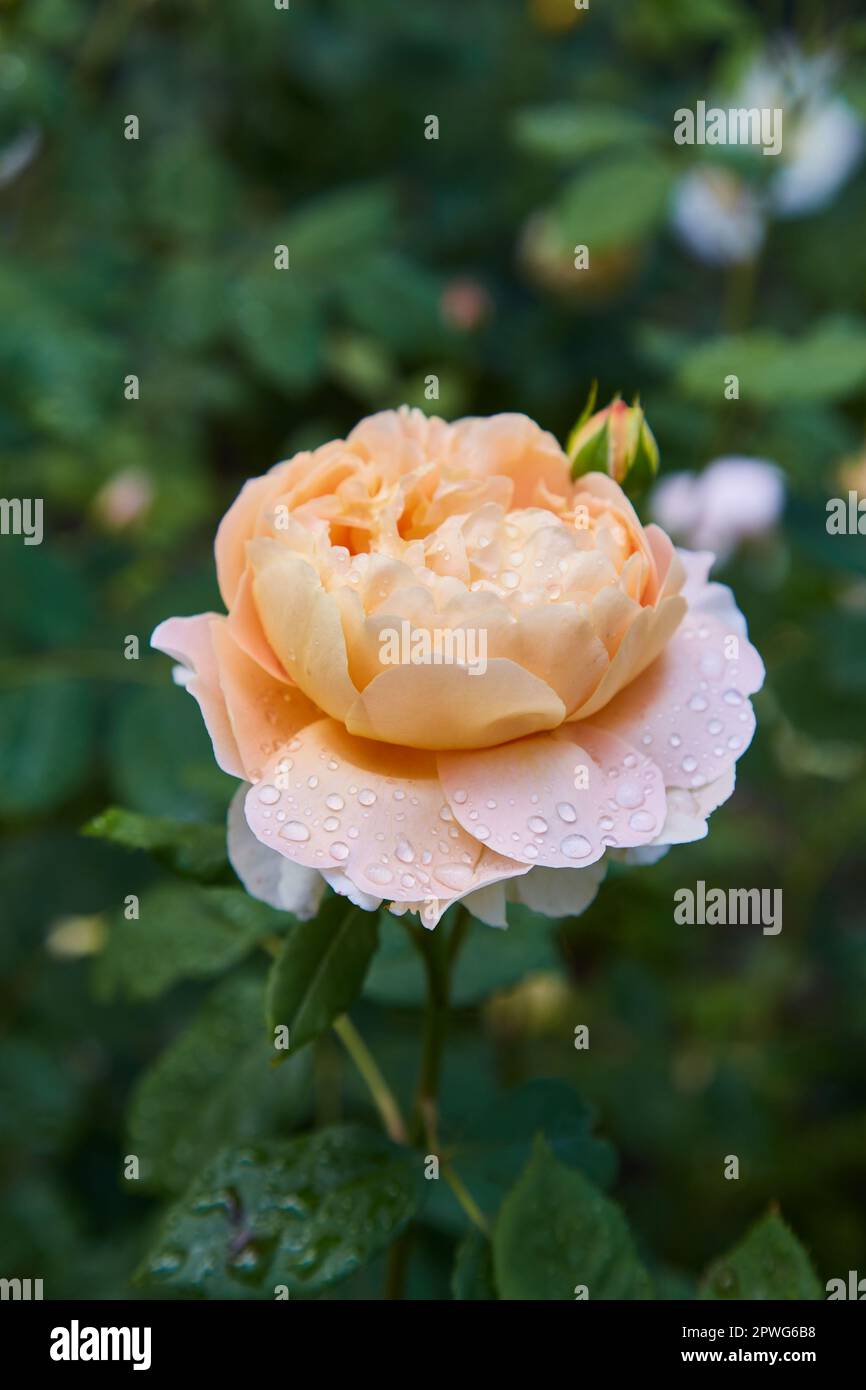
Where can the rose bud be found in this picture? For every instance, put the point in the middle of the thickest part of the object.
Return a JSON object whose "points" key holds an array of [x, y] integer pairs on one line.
{"points": [[616, 441]]}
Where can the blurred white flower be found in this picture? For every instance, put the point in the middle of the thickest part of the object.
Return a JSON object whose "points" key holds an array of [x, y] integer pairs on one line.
{"points": [[825, 146], [718, 216], [732, 500], [15, 157]]}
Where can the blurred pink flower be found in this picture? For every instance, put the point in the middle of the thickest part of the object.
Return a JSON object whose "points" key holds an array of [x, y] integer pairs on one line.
{"points": [[125, 498], [733, 500], [464, 304]]}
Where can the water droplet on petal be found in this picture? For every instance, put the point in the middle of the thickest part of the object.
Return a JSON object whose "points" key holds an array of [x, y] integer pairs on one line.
{"points": [[377, 874], [629, 795], [339, 850], [457, 876], [293, 830], [711, 665], [366, 796], [566, 812], [538, 825], [268, 794], [641, 820], [576, 847]]}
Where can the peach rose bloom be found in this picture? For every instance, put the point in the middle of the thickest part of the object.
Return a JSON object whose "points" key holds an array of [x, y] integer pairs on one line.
{"points": [[607, 721]]}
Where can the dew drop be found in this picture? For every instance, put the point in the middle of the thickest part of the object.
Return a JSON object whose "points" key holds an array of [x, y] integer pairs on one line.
{"points": [[339, 850], [576, 847], [641, 820], [331, 823], [293, 830], [268, 794], [366, 796], [538, 825], [456, 876], [698, 703], [629, 795], [376, 873], [460, 796], [404, 852], [334, 802], [711, 665], [689, 763], [566, 812], [732, 697]]}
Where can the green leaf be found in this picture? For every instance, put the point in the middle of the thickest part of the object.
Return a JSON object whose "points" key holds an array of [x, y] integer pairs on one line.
{"points": [[321, 969], [616, 203], [46, 600], [337, 228], [46, 742], [571, 132], [768, 1263], [215, 1083], [182, 932], [396, 302], [826, 364], [490, 1158], [303, 1213], [489, 960], [472, 1278], [196, 850], [161, 758], [557, 1232], [280, 326]]}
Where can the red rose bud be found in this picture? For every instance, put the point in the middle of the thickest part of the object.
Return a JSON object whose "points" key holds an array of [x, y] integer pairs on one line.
{"points": [[617, 441]]}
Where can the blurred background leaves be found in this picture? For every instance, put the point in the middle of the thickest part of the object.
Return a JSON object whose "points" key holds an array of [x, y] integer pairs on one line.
{"points": [[409, 258]]}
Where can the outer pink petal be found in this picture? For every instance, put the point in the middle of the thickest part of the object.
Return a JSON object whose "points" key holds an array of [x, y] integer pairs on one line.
{"points": [[189, 641], [375, 812], [532, 800], [689, 710], [264, 713]]}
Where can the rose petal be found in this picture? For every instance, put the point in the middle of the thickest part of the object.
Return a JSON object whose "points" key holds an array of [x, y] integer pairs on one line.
{"points": [[189, 641], [437, 707], [264, 713], [302, 624], [689, 711], [554, 800], [376, 813], [559, 892], [267, 875]]}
